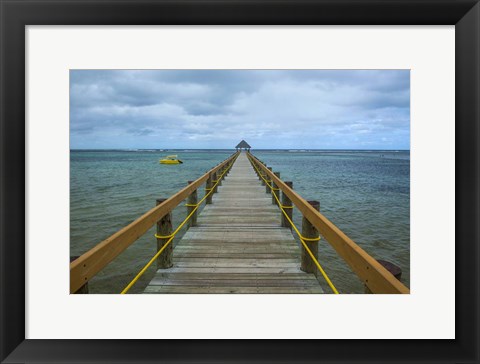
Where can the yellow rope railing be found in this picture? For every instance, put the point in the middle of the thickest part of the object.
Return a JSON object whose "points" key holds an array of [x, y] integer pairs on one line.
{"points": [[172, 235], [302, 238]]}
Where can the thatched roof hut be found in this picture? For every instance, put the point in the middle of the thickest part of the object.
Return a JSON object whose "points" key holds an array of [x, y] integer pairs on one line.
{"points": [[243, 144]]}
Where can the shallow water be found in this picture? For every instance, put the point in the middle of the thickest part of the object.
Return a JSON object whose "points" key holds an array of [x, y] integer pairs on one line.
{"points": [[366, 194]]}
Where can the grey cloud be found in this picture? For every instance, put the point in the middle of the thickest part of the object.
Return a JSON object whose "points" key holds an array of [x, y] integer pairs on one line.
{"points": [[223, 105], [140, 132]]}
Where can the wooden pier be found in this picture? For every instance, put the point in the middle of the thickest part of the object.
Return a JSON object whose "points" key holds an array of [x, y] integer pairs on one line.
{"points": [[238, 245], [241, 242]]}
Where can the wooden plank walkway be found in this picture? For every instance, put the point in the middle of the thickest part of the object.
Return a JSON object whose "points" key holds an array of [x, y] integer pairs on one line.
{"points": [[238, 245]]}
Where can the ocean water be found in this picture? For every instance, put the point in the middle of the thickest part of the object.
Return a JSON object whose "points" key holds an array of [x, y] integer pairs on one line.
{"points": [[365, 193]]}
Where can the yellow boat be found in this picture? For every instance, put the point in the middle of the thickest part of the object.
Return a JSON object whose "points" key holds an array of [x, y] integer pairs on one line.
{"points": [[170, 159]]}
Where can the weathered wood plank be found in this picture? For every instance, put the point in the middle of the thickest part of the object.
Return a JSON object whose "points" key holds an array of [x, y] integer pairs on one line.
{"points": [[234, 261], [220, 281], [228, 275], [246, 270], [237, 246], [236, 252], [233, 255], [223, 263], [230, 290]]}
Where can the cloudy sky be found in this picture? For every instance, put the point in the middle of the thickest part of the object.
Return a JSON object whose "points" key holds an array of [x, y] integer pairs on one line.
{"points": [[315, 109]]}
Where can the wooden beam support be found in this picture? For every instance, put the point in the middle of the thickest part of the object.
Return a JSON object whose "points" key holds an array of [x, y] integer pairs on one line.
{"points": [[192, 201], [269, 181], [275, 190], [215, 180], [309, 231], [208, 187], [287, 204], [164, 228], [83, 289]]}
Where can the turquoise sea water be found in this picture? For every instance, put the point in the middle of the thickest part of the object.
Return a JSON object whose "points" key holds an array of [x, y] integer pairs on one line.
{"points": [[365, 193]]}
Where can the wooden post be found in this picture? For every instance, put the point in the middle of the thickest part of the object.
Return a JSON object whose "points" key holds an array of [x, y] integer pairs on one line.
{"points": [[208, 186], [219, 173], [392, 268], [275, 191], [267, 187], [83, 289], [260, 175], [214, 181], [164, 228], [192, 201], [309, 231], [288, 207]]}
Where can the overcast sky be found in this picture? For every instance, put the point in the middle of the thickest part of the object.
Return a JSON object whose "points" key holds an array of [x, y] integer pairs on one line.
{"points": [[216, 109]]}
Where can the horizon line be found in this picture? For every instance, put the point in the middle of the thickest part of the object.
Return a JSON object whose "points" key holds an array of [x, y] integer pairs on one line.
{"points": [[160, 149]]}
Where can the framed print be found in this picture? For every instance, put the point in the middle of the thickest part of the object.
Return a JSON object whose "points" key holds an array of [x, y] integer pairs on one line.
{"points": [[413, 76]]}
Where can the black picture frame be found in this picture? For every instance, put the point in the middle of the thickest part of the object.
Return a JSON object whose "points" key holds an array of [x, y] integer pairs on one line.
{"points": [[16, 14]]}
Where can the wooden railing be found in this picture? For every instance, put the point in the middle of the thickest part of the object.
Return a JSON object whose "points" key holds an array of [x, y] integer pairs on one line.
{"points": [[93, 261], [372, 273]]}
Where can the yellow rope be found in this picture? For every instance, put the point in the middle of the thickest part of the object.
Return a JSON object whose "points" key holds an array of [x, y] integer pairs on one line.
{"points": [[302, 239], [163, 237], [170, 237], [191, 204], [309, 239], [324, 274]]}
